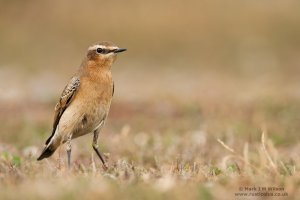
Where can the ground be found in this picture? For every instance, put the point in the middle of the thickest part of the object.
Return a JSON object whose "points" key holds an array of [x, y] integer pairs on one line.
{"points": [[222, 137]]}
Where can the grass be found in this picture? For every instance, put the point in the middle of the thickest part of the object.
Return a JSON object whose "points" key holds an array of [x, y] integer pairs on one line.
{"points": [[163, 148], [191, 168]]}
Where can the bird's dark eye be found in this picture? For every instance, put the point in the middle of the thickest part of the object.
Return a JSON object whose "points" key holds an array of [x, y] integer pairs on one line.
{"points": [[100, 50]]}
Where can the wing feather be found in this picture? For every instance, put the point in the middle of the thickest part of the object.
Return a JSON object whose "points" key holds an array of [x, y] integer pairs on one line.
{"points": [[64, 101]]}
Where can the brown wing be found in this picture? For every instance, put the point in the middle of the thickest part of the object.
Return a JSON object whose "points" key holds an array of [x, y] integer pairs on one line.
{"points": [[64, 101]]}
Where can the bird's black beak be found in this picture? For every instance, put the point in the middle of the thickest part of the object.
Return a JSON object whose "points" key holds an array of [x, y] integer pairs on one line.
{"points": [[119, 50]]}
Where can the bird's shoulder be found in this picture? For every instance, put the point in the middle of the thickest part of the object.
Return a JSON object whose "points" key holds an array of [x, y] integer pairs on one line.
{"points": [[68, 92]]}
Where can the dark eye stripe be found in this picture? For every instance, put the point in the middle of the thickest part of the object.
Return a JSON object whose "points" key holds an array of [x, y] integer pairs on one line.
{"points": [[104, 51], [110, 50]]}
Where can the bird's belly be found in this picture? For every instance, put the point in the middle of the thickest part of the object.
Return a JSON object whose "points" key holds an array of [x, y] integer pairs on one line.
{"points": [[90, 120]]}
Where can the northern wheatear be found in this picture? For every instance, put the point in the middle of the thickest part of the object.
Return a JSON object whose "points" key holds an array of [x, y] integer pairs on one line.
{"points": [[85, 101]]}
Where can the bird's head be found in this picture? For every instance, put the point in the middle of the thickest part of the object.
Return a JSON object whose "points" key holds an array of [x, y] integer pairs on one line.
{"points": [[103, 53]]}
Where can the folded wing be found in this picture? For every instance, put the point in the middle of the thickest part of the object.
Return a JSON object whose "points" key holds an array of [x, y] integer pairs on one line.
{"points": [[66, 98]]}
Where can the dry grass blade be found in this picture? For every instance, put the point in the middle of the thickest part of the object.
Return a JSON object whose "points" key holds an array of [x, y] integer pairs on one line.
{"points": [[225, 146], [267, 153]]}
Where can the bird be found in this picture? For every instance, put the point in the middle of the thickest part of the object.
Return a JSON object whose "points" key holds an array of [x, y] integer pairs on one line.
{"points": [[85, 101]]}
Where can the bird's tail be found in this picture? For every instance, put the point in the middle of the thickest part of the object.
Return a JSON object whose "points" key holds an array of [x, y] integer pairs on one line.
{"points": [[51, 145], [47, 152]]}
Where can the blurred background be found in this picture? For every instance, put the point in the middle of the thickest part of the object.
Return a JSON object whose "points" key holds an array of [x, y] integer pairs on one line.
{"points": [[221, 67], [198, 75]]}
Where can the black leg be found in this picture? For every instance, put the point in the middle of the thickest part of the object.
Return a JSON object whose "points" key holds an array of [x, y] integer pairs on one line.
{"points": [[96, 148]]}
